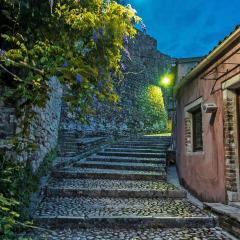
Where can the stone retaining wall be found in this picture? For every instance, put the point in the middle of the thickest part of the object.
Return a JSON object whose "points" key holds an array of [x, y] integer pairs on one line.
{"points": [[7, 122], [144, 67], [44, 129]]}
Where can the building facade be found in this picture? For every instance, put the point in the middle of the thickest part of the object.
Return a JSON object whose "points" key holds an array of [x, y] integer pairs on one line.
{"points": [[208, 123], [183, 66]]}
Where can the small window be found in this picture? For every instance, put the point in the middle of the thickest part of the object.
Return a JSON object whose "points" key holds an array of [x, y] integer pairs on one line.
{"points": [[197, 130]]}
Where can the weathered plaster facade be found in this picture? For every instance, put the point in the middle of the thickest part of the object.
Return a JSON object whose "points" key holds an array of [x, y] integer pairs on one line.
{"points": [[213, 173], [184, 65]]}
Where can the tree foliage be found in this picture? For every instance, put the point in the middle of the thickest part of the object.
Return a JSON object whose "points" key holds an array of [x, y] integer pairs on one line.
{"points": [[17, 183], [80, 42], [153, 106]]}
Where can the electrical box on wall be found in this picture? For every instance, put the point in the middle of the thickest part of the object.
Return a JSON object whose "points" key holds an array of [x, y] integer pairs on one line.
{"points": [[209, 107]]}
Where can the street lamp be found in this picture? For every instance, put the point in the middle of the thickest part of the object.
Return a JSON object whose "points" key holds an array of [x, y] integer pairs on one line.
{"points": [[167, 82]]}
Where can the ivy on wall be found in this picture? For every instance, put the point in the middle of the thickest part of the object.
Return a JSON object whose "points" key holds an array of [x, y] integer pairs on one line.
{"points": [[153, 106], [17, 183], [80, 42]]}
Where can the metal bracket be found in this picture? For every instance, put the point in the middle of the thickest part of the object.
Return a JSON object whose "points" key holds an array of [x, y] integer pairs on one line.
{"points": [[222, 74]]}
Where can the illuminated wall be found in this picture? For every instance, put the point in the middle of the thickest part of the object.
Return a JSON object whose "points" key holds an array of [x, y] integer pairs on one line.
{"points": [[141, 108]]}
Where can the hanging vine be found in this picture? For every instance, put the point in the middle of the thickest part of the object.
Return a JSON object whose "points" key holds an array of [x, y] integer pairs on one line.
{"points": [[80, 42]]}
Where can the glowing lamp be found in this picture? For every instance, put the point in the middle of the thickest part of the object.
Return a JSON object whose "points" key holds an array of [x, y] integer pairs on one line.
{"points": [[166, 81]]}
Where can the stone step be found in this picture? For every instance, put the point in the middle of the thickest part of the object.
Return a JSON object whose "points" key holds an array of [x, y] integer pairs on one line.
{"points": [[68, 154], [138, 150], [127, 159], [222, 209], [84, 141], [112, 212], [64, 144], [235, 204], [69, 144], [95, 173], [112, 188], [132, 154], [164, 140], [121, 166], [68, 135], [146, 143], [155, 137], [162, 148], [69, 149], [127, 233], [228, 216]]}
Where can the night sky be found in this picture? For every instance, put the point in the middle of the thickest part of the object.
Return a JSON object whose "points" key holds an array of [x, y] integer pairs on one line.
{"points": [[188, 28]]}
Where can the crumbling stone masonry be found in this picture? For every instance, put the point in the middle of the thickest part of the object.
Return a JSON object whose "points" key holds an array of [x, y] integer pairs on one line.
{"points": [[144, 67], [7, 122]]}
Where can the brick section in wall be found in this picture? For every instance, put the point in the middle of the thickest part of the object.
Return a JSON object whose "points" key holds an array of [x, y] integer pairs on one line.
{"points": [[230, 145], [188, 142]]}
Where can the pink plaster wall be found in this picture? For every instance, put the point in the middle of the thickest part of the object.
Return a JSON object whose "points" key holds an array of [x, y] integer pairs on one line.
{"points": [[204, 173]]}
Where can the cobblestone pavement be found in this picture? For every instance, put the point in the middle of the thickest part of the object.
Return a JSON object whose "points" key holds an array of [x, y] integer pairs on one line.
{"points": [[132, 234], [96, 170], [86, 206], [111, 184], [117, 164], [128, 204], [125, 159]]}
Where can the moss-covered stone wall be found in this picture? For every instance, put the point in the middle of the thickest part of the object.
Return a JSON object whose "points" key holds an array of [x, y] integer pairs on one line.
{"points": [[141, 107]]}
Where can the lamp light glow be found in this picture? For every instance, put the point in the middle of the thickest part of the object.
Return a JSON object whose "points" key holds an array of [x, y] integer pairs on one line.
{"points": [[166, 80]]}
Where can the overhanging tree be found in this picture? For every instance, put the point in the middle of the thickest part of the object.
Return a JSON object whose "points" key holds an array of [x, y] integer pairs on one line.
{"points": [[80, 42]]}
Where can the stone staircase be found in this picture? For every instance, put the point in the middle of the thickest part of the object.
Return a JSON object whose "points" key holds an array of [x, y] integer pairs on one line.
{"points": [[228, 216], [73, 143], [120, 193]]}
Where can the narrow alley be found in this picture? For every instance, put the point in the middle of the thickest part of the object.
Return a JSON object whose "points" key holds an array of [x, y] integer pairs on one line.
{"points": [[121, 193]]}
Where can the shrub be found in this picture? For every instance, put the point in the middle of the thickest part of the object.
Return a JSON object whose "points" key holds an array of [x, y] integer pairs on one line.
{"points": [[17, 183]]}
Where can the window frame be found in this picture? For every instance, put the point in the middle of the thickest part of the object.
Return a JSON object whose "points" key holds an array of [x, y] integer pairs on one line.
{"points": [[194, 113], [188, 129]]}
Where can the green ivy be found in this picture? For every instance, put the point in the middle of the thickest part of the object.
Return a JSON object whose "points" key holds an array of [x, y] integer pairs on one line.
{"points": [[152, 104], [17, 183], [80, 42]]}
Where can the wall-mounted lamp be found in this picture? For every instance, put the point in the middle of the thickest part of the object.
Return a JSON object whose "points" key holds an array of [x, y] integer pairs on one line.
{"points": [[209, 107]]}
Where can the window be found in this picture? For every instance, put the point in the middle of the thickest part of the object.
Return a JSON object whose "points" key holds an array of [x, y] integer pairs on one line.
{"points": [[193, 127], [197, 130]]}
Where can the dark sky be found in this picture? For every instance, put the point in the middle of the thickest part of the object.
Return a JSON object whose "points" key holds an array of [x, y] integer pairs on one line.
{"points": [[188, 28]]}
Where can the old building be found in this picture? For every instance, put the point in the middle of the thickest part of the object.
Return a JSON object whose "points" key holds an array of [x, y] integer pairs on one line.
{"points": [[183, 66], [208, 123]]}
